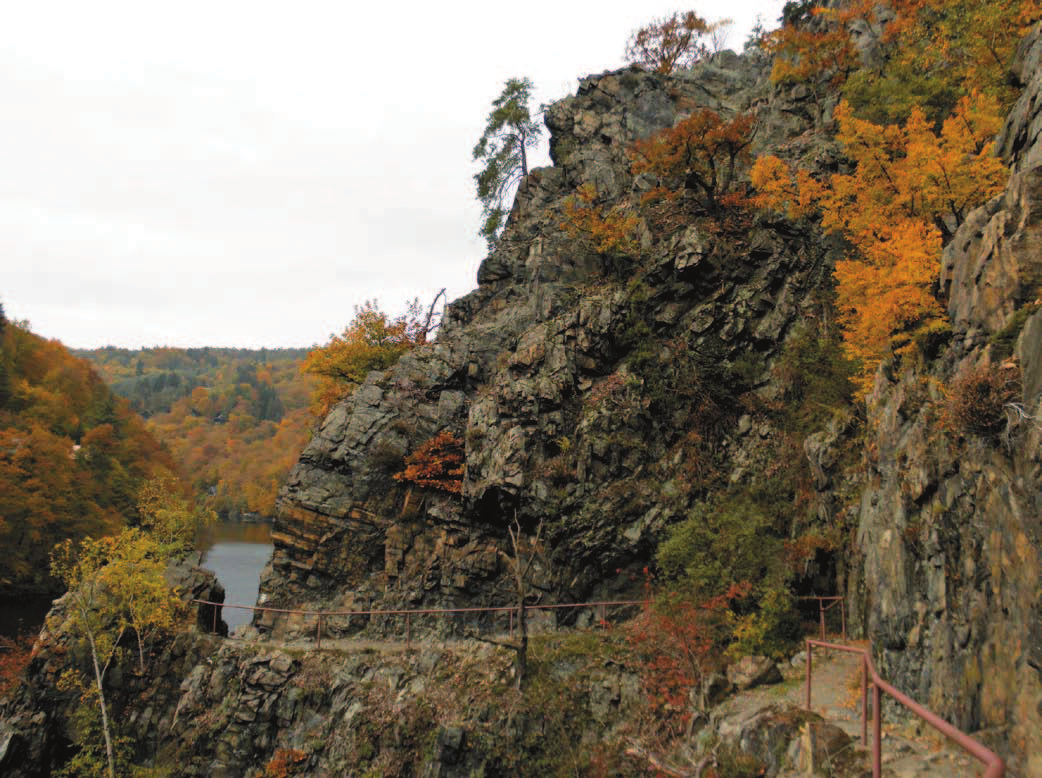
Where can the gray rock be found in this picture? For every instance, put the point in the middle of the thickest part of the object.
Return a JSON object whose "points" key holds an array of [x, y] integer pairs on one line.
{"points": [[752, 671]]}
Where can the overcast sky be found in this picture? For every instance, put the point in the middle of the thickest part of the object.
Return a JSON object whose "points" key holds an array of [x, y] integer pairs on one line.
{"points": [[234, 173]]}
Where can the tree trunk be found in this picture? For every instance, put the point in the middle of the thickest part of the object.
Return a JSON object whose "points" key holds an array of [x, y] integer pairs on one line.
{"points": [[99, 674]]}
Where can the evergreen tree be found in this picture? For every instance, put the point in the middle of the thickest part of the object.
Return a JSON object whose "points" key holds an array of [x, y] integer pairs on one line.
{"points": [[503, 150]]}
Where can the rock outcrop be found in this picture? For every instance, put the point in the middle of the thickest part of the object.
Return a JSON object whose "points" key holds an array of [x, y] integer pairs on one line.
{"points": [[570, 378], [950, 520]]}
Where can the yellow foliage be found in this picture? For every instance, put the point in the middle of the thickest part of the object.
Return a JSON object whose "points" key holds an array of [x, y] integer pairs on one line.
{"points": [[606, 233], [372, 341], [781, 187], [909, 191]]}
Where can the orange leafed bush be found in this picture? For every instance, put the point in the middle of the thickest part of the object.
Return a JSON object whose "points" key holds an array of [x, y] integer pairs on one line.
{"points": [[15, 654], [437, 464], [675, 642], [606, 233], [702, 153], [285, 763]]}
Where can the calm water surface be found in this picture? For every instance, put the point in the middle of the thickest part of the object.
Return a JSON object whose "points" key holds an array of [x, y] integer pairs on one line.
{"points": [[237, 552]]}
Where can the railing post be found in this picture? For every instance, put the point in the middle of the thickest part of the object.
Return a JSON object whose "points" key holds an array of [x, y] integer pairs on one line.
{"points": [[821, 613], [408, 631], [214, 618], [877, 733], [843, 618], [808, 674], [864, 701]]}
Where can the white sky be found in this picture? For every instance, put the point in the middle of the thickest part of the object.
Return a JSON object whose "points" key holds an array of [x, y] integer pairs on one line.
{"points": [[234, 173]]}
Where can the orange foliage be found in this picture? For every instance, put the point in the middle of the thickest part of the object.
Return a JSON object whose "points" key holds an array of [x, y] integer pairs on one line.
{"points": [[821, 58], [701, 153], [437, 464], [972, 41], [911, 189], [285, 762], [606, 234], [15, 654], [72, 455], [672, 42], [675, 641], [372, 341]]}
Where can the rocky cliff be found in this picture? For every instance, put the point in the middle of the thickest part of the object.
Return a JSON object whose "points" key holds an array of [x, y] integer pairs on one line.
{"points": [[949, 517], [601, 398], [591, 393]]}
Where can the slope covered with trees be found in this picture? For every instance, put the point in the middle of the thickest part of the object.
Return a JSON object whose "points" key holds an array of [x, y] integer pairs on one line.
{"points": [[234, 420], [72, 455]]}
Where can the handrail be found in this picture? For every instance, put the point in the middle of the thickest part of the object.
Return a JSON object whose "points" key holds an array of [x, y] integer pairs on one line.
{"points": [[996, 767], [835, 600], [408, 613]]}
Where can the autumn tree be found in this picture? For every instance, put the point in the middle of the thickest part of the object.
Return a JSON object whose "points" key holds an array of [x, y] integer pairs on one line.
{"points": [[677, 639], [170, 518], [372, 341], [938, 51], [701, 154], [910, 190], [608, 232], [676, 41], [503, 152], [814, 48], [115, 584], [436, 464]]}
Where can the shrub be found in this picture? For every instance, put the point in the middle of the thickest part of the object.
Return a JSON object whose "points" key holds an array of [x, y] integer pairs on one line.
{"points": [[702, 153], [607, 233], [437, 464], [979, 399], [672, 42]]}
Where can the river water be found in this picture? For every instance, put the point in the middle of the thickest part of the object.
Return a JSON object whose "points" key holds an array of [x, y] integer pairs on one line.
{"points": [[237, 551]]}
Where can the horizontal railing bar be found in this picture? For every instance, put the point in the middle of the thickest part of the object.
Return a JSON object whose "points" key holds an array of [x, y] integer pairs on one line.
{"points": [[426, 611], [996, 766]]}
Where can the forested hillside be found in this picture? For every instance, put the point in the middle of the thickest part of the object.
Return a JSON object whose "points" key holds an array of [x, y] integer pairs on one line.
{"points": [[72, 455], [234, 420]]}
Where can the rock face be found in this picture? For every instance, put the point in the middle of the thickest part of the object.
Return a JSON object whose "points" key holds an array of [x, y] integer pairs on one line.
{"points": [[569, 377], [950, 528], [36, 725], [597, 398]]}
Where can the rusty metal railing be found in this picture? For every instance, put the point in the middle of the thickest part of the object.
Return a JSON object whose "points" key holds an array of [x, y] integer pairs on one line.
{"points": [[600, 608], [823, 609], [996, 768]]}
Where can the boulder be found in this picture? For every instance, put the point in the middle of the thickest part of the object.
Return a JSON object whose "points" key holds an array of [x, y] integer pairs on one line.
{"points": [[750, 671]]}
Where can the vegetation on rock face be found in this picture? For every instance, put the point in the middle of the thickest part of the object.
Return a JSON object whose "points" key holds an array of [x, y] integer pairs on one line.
{"points": [[503, 150], [910, 189], [676, 41], [436, 464], [372, 341], [703, 154]]}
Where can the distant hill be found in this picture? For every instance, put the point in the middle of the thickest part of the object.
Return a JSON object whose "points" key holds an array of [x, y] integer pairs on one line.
{"points": [[72, 455], [234, 419]]}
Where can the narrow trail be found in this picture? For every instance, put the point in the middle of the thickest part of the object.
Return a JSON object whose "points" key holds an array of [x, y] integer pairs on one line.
{"points": [[910, 747]]}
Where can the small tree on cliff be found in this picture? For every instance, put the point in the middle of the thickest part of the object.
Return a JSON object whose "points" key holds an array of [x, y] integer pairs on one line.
{"points": [[510, 132], [527, 552], [675, 41]]}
